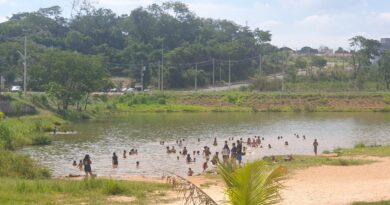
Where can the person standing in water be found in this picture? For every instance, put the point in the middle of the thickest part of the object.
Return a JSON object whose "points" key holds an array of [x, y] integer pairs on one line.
{"points": [[215, 142], [124, 153], [114, 160], [315, 145], [190, 172], [87, 165], [239, 152], [80, 166]]}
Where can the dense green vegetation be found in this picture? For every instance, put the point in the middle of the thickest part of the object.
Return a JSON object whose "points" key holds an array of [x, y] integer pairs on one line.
{"points": [[134, 45], [242, 102], [26, 182]]}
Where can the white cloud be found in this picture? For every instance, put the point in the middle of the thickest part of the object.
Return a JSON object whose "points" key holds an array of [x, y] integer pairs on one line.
{"points": [[316, 21], [384, 16], [269, 24], [132, 3], [3, 1], [3, 19]]}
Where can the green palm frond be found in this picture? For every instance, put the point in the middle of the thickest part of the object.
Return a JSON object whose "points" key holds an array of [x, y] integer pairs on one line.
{"points": [[253, 184]]}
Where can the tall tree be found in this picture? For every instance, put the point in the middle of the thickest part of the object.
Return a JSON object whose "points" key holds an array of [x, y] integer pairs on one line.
{"points": [[69, 77], [364, 50], [384, 65]]}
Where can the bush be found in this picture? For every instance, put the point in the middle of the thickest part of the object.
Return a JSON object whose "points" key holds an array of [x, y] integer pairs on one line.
{"points": [[1, 115], [111, 106], [161, 101], [386, 99], [114, 188], [20, 108], [6, 141], [360, 145], [20, 166], [41, 140], [326, 152], [40, 100]]}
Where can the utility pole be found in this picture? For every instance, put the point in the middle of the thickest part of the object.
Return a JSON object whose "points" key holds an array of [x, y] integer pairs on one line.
{"points": [[25, 66], [159, 75], [220, 72], [162, 65], [213, 72], [142, 75], [24, 58], [196, 76], [229, 71], [260, 62]]}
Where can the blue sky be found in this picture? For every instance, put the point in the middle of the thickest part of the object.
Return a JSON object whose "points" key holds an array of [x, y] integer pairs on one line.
{"points": [[293, 23]]}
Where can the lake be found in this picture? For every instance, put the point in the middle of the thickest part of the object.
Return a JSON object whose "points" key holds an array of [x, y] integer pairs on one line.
{"points": [[143, 131]]}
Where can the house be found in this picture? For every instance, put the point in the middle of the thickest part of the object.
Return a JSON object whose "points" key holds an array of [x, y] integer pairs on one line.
{"points": [[385, 43]]}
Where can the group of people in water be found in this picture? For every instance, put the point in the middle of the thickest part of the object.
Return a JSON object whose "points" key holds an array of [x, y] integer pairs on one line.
{"points": [[84, 164], [233, 153]]}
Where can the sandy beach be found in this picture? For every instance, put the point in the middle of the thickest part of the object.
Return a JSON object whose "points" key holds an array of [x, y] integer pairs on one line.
{"points": [[323, 185]]}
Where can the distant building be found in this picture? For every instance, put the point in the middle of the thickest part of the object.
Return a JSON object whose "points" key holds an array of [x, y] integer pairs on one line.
{"points": [[324, 50], [385, 43]]}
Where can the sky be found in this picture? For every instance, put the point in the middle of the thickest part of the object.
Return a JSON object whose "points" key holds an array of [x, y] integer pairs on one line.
{"points": [[293, 23]]}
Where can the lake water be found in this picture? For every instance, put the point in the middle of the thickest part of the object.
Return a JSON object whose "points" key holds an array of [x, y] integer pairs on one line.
{"points": [[101, 137]]}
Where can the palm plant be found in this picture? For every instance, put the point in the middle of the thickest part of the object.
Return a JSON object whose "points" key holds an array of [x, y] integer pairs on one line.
{"points": [[253, 184]]}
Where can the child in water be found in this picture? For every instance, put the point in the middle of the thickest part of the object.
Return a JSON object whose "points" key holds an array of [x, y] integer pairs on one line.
{"points": [[81, 165], [205, 166], [190, 172]]}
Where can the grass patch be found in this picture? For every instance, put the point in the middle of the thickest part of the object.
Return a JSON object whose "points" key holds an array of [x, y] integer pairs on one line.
{"points": [[364, 151], [302, 161], [20, 166], [93, 191]]}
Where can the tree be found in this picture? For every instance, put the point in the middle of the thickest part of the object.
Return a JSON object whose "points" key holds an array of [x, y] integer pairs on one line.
{"points": [[318, 61], [384, 66], [69, 77], [308, 51], [364, 50], [253, 184], [300, 63], [262, 36], [340, 50]]}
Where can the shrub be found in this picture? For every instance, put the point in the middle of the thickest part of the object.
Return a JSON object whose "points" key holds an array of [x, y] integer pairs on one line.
{"points": [[326, 152], [114, 188], [1, 115], [360, 145], [41, 140], [161, 101], [40, 100], [386, 99], [111, 106], [5, 137], [20, 166]]}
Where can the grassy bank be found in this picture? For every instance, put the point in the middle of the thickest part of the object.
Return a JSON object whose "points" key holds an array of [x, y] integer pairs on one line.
{"points": [[93, 191], [235, 101], [304, 161], [362, 150]]}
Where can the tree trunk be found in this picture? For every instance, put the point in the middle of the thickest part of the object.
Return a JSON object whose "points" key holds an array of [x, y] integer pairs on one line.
{"points": [[86, 102]]}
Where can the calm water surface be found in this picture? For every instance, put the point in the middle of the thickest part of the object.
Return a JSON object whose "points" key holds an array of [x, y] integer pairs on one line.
{"points": [[100, 138]]}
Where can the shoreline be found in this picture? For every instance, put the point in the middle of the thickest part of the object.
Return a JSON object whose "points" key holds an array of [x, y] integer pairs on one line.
{"points": [[317, 185]]}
